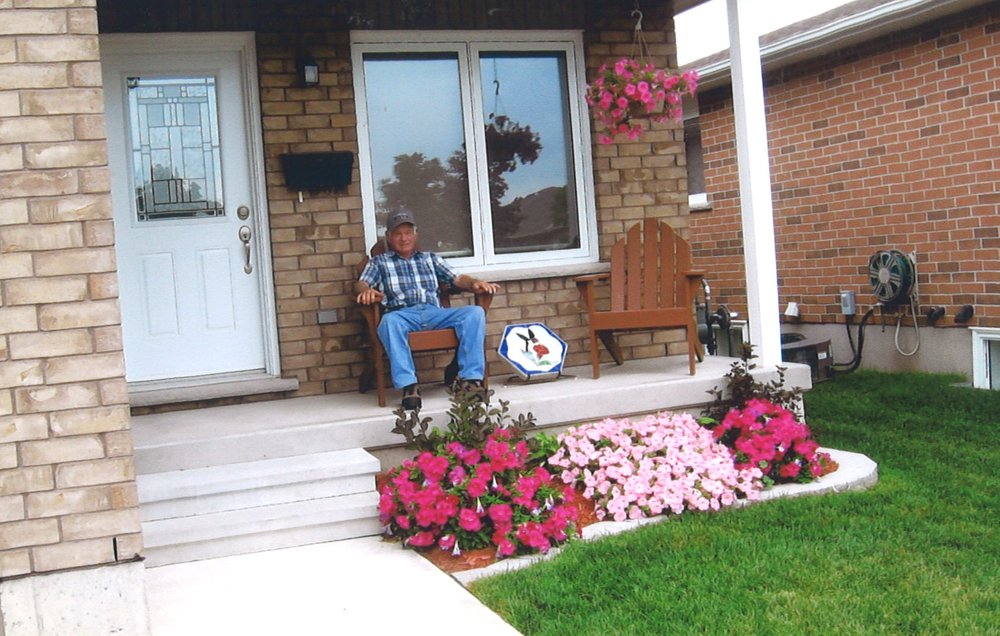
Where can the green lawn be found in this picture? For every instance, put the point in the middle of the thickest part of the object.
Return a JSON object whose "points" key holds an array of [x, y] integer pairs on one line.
{"points": [[919, 553]]}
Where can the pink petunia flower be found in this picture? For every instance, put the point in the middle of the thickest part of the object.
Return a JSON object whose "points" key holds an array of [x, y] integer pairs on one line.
{"points": [[469, 521]]}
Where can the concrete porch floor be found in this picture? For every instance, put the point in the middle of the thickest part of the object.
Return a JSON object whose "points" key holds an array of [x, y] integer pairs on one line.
{"points": [[286, 428]]}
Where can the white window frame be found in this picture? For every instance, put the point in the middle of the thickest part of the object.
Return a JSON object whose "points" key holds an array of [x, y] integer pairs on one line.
{"points": [[697, 201], [468, 45], [982, 362]]}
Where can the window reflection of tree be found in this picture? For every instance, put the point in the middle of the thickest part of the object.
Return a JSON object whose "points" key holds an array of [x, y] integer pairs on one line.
{"points": [[166, 194], [507, 144], [435, 191], [437, 194]]}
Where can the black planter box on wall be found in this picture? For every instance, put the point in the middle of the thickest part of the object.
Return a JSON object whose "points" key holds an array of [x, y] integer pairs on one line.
{"points": [[317, 171]]}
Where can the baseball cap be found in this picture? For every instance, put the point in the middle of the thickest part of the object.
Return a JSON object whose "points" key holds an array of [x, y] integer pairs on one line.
{"points": [[398, 217]]}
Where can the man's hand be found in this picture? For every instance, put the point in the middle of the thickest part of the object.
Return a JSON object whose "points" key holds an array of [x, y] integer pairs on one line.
{"points": [[370, 296], [483, 287], [475, 285]]}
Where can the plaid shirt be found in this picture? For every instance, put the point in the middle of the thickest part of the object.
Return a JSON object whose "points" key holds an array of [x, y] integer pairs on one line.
{"points": [[407, 282]]}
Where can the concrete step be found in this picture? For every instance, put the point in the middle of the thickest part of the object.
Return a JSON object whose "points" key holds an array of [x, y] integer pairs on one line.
{"points": [[260, 529], [238, 500], [196, 491], [247, 507]]}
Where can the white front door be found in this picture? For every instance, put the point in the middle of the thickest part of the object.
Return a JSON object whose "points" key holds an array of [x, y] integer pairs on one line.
{"points": [[187, 213]]}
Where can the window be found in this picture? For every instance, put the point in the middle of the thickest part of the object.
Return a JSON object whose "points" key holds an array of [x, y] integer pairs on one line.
{"points": [[484, 136], [986, 358], [697, 196]]}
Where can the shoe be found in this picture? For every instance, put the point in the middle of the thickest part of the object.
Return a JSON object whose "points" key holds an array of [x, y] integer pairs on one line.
{"points": [[411, 397]]}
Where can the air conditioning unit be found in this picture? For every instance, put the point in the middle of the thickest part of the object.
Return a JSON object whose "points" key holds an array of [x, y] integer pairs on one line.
{"points": [[815, 352]]}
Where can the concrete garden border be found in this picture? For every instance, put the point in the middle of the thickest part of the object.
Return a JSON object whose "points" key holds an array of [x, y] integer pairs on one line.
{"points": [[855, 472]]}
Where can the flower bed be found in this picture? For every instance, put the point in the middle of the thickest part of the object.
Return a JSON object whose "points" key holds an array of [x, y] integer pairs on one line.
{"points": [[482, 487], [463, 498], [769, 437], [658, 465]]}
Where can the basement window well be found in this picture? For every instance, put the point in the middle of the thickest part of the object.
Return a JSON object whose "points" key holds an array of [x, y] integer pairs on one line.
{"points": [[986, 357]]}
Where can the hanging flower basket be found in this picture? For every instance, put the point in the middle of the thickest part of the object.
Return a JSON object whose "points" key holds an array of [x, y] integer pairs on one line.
{"points": [[630, 89]]}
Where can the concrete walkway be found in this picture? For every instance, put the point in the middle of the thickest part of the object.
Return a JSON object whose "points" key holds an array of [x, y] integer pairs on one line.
{"points": [[354, 587]]}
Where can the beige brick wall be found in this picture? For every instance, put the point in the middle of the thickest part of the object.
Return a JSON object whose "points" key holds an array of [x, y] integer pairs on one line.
{"points": [[317, 242], [67, 484]]}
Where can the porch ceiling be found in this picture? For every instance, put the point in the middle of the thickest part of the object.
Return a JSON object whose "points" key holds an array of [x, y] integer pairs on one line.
{"points": [[120, 16]]}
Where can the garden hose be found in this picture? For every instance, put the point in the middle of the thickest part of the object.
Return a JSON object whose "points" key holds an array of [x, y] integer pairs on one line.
{"points": [[856, 360], [916, 328]]}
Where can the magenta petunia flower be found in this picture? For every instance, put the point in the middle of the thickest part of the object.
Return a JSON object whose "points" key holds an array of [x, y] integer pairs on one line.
{"points": [[500, 513], [476, 487], [456, 475], [421, 539], [505, 548], [469, 521]]}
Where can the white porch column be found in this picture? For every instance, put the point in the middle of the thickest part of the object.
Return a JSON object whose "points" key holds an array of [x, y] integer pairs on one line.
{"points": [[755, 181]]}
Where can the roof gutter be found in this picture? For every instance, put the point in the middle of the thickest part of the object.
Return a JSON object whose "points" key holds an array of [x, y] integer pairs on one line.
{"points": [[887, 18]]}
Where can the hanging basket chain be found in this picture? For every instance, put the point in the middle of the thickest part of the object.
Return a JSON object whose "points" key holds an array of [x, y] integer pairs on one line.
{"points": [[640, 50]]}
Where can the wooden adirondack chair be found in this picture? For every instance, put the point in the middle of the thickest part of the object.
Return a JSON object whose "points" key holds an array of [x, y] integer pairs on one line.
{"points": [[652, 287], [420, 341]]}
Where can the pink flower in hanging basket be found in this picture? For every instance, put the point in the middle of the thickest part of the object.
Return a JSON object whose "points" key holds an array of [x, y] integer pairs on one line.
{"points": [[629, 89]]}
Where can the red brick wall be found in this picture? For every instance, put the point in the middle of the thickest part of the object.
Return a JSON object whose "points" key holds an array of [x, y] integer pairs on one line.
{"points": [[890, 145]]}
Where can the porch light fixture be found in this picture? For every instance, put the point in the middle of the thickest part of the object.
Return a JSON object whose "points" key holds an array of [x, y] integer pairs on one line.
{"points": [[308, 71]]}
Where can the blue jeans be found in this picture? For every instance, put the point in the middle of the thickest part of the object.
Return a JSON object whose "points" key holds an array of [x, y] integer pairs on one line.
{"points": [[469, 323]]}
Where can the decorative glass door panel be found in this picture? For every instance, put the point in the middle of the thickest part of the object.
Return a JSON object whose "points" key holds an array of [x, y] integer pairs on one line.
{"points": [[174, 133]]}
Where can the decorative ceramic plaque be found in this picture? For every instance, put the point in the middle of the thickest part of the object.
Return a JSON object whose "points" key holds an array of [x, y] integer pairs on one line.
{"points": [[534, 350]]}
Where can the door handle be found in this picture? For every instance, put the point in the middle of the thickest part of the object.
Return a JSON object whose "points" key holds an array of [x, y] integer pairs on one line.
{"points": [[245, 235]]}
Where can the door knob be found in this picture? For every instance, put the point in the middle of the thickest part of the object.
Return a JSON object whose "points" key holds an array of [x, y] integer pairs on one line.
{"points": [[245, 235]]}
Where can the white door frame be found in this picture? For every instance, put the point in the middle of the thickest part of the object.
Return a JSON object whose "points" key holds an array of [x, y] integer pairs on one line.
{"points": [[244, 44]]}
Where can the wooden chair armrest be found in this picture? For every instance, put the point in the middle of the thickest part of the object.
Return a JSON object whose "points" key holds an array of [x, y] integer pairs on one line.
{"points": [[445, 292], [372, 313], [695, 273], [591, 278], [484, 300]]}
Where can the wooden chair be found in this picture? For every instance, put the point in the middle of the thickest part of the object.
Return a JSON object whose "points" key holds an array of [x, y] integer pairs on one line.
{"points": [[420, 341], [652, 287]]}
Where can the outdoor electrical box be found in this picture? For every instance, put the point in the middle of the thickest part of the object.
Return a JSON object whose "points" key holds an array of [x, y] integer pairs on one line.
{"points": [[848, 307]]}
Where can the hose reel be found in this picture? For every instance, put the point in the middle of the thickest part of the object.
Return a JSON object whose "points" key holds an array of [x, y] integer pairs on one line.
{"points": [[893, 277], [891, 274]]}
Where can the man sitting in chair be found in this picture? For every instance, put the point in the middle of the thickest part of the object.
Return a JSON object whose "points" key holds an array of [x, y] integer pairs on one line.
{"points": [[405, 280]]}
